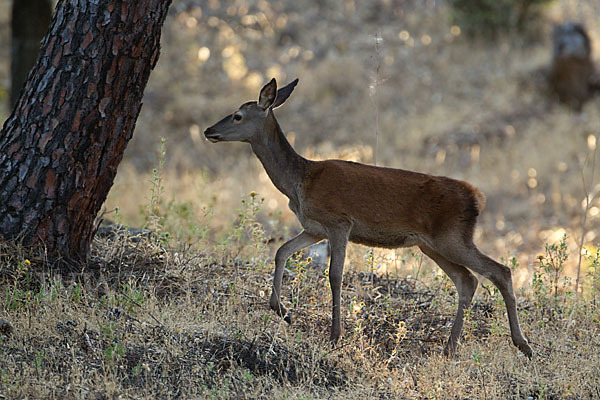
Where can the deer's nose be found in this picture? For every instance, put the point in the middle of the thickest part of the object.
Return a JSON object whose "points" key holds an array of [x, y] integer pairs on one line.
{"points": [[211, 135]]}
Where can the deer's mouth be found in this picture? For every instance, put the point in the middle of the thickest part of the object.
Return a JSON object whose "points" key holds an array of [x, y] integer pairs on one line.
{"points": [[212, 136]]}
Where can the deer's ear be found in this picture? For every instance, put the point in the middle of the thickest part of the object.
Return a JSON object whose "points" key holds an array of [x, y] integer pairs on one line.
{"points": [[267, 95], [284, 93]]}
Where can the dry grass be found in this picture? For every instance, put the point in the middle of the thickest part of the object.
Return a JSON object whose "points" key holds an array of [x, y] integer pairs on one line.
{"points": [[184, 312], [143, 320]]}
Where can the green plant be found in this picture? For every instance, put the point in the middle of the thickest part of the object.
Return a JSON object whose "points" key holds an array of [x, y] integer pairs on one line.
{"points": [[547, 279], [55, 288], [153, 216], [488, 18], [298, 265], [17, 296], [247, 237], [510, 262], [593, 259], [22, 270], [131, 297], [137, 370], [76, 293], [107, 329], [248, 376], [114, 352], [541, 391], [184, 222], [5, 377], [38, 359], [481, 367], [470, 323], [13, 298]]}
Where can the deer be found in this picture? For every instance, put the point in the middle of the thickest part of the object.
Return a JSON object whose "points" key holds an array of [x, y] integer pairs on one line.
{"points": [[572, 73], [344, 201]]}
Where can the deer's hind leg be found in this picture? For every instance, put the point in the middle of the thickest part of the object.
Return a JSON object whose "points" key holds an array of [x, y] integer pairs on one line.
{"points": [[467, 254], [466, 284]]}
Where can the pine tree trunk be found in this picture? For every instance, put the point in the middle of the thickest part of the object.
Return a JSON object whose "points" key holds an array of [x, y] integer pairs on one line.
{"points": [[29, 24], [60, 149]]}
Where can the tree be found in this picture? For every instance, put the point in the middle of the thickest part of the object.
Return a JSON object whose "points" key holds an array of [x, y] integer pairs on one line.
{"points": [[29, 23], [60, 148]]}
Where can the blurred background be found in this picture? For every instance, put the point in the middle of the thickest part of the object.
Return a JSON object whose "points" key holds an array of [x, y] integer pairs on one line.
{"points": [[446, 87]]}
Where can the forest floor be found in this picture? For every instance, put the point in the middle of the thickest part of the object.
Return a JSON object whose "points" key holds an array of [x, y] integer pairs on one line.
{"points": [[142, 320]]}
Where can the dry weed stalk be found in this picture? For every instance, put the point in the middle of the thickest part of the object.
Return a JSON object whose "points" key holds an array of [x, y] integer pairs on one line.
{"points": [[589, 196]]}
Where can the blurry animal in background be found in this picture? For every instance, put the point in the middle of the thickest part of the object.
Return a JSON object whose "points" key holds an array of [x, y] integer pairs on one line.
{"points": [[571, 76]]}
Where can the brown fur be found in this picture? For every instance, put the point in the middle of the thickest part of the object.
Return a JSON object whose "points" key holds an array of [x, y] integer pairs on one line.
{"points": [[387, 198], [572, 71], [570, 79]]}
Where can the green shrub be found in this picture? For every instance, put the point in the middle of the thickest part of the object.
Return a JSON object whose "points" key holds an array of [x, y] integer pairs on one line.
{"points": [[488, 18]]}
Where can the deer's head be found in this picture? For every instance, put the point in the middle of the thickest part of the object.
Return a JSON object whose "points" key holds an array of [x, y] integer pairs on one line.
{"points": [[249, 120]]}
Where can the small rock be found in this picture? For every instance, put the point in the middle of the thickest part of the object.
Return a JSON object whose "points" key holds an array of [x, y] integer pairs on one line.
{"points": [[6, 328]]}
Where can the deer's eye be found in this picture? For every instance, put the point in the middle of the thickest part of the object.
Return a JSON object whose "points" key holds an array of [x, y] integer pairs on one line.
{"points": [[237, 117]]}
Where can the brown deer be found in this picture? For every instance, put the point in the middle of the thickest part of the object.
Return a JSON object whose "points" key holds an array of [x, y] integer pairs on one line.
{"points": [[346, 201], [572, 72]]}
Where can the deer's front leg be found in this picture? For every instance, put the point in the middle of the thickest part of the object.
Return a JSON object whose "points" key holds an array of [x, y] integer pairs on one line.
{"points": [[299, 242], [338, 239]]}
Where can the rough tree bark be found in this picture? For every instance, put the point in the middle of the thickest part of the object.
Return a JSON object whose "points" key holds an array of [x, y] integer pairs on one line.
{"points": [[60, 148], [29, 23]]}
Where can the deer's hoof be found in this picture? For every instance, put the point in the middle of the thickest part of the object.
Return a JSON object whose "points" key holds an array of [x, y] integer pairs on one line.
{"points": [[526, 349], [334, 337], [278, 307], [450, 348], [449, 352]]}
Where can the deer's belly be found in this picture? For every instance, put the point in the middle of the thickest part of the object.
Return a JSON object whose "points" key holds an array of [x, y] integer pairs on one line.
{"points": [[376, 237]]}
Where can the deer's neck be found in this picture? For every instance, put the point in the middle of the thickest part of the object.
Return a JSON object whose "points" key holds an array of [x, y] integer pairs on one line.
{"points": [[285, 167]]}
